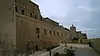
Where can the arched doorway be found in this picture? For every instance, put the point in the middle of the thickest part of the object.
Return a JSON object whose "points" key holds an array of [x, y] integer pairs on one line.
{"points": [[36, 48]]}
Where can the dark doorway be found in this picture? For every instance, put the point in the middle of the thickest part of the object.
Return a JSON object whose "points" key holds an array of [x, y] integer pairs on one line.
{"points": [[36, 48], [80, 40], [75, 38]]}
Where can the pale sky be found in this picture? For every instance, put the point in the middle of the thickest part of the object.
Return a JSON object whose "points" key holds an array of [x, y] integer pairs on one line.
{"points": [[84, 14]]}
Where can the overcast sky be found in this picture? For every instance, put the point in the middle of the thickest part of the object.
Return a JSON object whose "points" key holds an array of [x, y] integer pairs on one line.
{"points": [[84, 14]]}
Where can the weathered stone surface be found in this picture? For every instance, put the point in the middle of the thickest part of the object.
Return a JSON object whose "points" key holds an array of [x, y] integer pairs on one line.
{"points": [[96, 44]]}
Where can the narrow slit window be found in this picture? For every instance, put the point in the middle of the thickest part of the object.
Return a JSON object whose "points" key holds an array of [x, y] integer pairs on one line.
{"points": [[22, 12], [16, 9]]}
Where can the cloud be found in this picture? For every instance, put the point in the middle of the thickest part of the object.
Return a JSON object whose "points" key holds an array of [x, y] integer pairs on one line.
{"points": [[77, 20], [88, 29], [88, 8], [85, 8]]}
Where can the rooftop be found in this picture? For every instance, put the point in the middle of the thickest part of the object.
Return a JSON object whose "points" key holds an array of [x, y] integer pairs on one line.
{"points": [[33, 3]]}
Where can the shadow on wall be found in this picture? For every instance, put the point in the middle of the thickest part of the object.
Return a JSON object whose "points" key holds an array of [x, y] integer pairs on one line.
{"points": [[96, 44]]}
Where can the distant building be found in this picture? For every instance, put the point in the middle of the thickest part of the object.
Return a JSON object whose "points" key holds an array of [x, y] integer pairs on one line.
{"points": [[84, 35], [76, 36], [72, 32]]}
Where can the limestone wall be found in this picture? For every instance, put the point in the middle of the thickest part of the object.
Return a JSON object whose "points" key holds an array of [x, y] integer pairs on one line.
{"points": [[96, 44], [7, 23], [7, 26]]}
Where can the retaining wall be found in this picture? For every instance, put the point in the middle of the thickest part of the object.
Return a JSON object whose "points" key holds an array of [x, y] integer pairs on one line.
{"points": [[96, 45]]}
